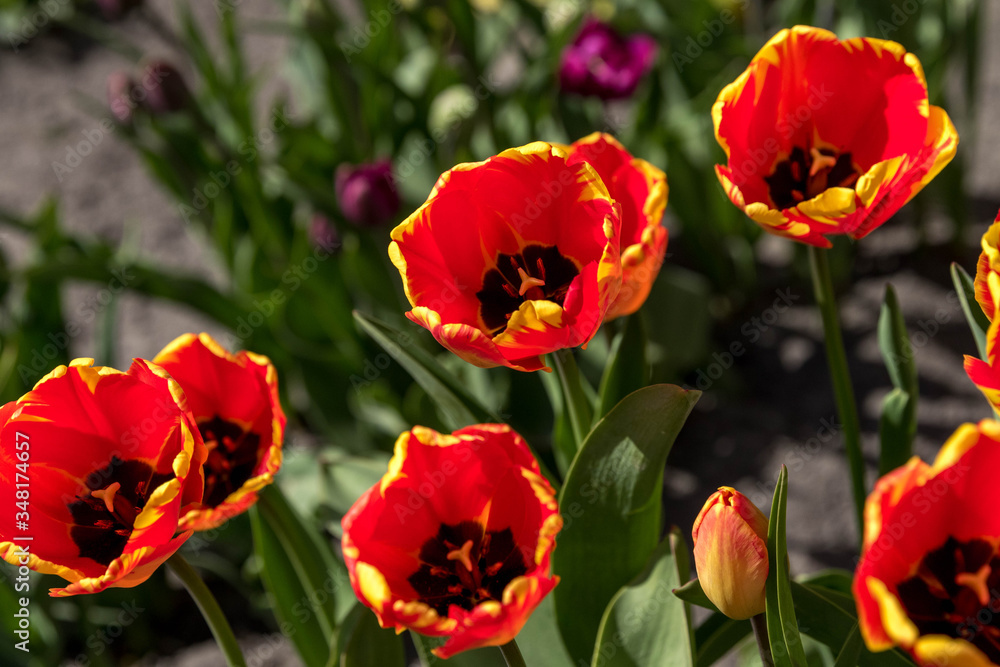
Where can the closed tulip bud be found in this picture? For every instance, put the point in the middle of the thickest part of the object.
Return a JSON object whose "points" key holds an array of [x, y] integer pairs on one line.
{"points": [[730, 553], [367, 193], [166, 91], [323, 234], [120, 96]]}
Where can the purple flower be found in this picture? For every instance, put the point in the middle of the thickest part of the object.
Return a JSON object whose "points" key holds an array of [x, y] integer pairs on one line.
{"points": [[603, 63], [112, 10], [121, 99], [323, 234], [367, 193], [165, 88]]}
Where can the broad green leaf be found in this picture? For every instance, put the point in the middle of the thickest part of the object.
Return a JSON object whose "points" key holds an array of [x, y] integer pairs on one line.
{"points": [[897, 427], [362, 643], [898, 424], [974, 315], [848, 656], [458, 406], [627, 368], [716, 636], [692, 592], [322, 576], [646, 626], [782, 626], [829, 616], [288, 596], [833, 579], [610, 503]]}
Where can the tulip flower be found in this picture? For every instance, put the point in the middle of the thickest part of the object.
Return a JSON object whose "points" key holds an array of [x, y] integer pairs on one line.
{"points": [[456, 539], [929, 573], [165, 90], [323, 234], [641, 189], [120, 89], [730, 553], [602, 63], [827, 137], [512, 258], [234, 401], [988, 270], [106, 461], [367, 193]]}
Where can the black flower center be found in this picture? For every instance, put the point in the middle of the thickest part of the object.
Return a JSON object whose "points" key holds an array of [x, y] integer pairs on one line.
{"points": [[537, 272], [956, 592], [232, 457], [804, 175], [105, 514], [465, 565]]}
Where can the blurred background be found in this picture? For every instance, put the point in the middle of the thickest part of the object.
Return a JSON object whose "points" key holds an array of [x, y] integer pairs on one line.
{"points": [[235, 166]]}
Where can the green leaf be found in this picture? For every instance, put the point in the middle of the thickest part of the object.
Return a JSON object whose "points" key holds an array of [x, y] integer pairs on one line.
{"points": [[848, 656], [627, 369], [716, 636], [974, 315], [539, 638], [362, 643], [829, 616], [306, 633], [897, 428], [782, 626], [322, 576], [898, 424], [578, 407], [610, 503], [458, 406], [645, 626], [692, 592]]}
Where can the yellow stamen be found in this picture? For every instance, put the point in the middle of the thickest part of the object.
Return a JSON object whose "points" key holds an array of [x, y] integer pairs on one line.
{"points": [[108, 495], [462, 555], [977, 582], [527, 282], [820, 161]]}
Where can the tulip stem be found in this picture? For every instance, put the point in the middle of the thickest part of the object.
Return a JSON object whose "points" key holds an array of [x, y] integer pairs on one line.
{"points": [[759, 625], [209, 609], [512, 654], [836, 358], [577, 405]]}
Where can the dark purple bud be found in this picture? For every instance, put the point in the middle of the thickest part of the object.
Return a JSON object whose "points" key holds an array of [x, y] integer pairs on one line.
{"points": [[165, 90], [605, 64], [112, 10], [121, 98], [367, 193], [323, 233]]}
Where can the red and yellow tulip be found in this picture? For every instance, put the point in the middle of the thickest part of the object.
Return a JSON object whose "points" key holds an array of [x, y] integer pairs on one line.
{"points": [[827, 137], [730, 553], [641, 190], [113, 459], [456, 539], [234, 400], [929, 574], [512, 258], [988, 270]]}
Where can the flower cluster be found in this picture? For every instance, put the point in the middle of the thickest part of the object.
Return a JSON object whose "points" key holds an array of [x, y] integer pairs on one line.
{"points": [[126, 465]]}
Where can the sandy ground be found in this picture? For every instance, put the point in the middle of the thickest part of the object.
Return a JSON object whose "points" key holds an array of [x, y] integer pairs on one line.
{"points": [[739, 443]]}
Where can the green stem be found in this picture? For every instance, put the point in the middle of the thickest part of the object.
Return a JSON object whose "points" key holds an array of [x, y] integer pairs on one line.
{"points": [[576, 402], [836, 359], [512, 654], [759, 625], [209, 609]]}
